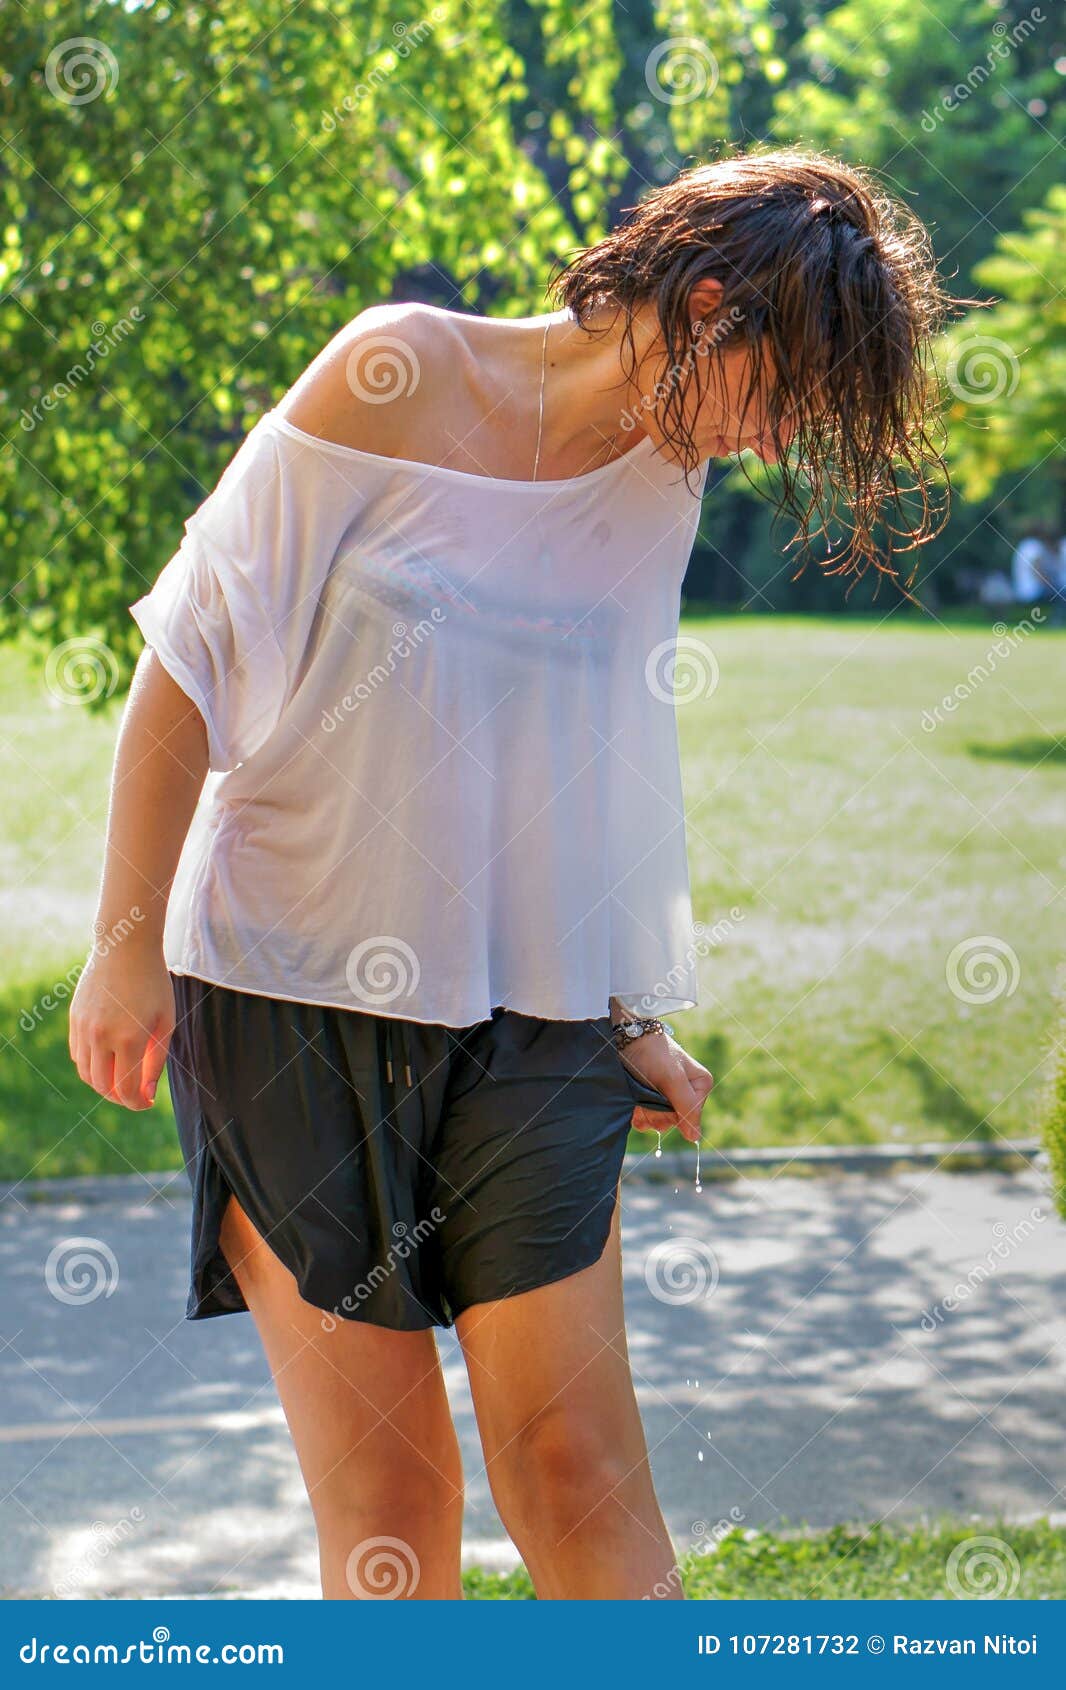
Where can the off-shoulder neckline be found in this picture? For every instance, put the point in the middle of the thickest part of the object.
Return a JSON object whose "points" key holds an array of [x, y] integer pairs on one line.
{"points": [[276, 421]]}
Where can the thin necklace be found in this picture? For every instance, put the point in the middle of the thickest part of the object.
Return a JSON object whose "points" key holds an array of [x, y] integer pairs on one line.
{"points": [[540, 412]]}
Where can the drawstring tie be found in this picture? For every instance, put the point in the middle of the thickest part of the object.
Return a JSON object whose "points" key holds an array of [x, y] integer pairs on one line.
{"points": [[405, 1050]]}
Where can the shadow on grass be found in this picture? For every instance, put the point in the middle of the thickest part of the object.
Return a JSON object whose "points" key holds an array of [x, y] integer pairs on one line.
{"points": [[1032, 748], [759, 1102]]}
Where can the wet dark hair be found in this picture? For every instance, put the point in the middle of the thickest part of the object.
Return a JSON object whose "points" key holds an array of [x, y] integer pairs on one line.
{"points": [[831, 286]]}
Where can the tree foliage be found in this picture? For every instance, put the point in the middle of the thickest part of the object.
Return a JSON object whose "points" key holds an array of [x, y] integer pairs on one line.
{"points": [[242, 180], [1006, 366], [195, 196]]}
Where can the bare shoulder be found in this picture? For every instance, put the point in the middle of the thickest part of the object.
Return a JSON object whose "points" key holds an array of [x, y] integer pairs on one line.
{"points": [[381, 384]]}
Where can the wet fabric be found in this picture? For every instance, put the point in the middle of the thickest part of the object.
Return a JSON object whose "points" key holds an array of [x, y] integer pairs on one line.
{"points": [[441, 724], [401, 1171]]}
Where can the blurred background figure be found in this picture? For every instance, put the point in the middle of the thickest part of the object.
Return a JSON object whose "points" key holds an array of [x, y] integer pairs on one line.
{"points": [[1038, 569]]}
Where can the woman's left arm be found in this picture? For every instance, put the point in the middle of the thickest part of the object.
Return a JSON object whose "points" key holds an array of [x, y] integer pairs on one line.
{"points": [[660, 1062]]}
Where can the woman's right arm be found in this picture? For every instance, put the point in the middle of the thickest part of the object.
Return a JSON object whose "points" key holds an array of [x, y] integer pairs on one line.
{"points": [[122, 1014]]}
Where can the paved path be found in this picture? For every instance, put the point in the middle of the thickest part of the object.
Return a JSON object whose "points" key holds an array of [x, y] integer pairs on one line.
{"points": [[783, 1370]]}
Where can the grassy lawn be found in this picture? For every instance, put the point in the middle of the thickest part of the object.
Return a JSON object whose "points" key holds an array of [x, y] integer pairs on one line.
{"points": [[857, 849], [853, 1562]]}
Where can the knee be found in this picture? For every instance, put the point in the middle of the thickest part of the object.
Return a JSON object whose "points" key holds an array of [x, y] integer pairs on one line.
{"points": [[383, 1534], [388, 1480], [559, 1475]]}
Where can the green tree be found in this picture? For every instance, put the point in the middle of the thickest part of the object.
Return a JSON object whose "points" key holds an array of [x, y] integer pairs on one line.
{"points": [[1006, 367], [957, 104], [195, 198]]}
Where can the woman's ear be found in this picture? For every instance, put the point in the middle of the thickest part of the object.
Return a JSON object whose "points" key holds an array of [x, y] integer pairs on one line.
{"points": [[704, 300]]}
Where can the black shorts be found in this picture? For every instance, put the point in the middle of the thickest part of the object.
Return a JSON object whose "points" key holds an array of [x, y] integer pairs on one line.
{"points": [[401, 1170]]}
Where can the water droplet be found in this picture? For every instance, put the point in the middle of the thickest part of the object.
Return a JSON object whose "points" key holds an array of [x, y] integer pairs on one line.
{"points": [[659, 1145], [698, 1185], [699, 1455]]}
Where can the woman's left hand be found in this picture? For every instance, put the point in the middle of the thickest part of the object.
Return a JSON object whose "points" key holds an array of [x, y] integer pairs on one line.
{"points": [[660, 1062]]}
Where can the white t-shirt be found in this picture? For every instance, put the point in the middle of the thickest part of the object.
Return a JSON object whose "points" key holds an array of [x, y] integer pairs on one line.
{"points": [[442, 732], [1029, 556]]}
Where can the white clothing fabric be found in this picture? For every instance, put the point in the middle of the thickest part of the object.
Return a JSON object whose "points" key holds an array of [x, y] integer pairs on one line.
{"points": [[1030, 557], [442, 732]]}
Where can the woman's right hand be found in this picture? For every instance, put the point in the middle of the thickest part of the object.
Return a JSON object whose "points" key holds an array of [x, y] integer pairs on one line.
{"points": [[121, 1021]]}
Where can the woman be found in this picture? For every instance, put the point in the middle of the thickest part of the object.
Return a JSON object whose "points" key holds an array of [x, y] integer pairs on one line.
{"points": [[417, 950]]}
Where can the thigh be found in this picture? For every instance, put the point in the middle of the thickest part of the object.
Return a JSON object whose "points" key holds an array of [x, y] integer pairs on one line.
{"points": [[362, 1401], [559, 1350]]}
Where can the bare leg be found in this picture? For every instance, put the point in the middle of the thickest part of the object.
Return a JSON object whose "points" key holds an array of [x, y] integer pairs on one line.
{"points": [[374, 1436], [564, 1445]]}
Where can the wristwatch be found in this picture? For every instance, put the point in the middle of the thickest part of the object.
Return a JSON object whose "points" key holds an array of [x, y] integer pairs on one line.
{"points": [[624, 1032]]}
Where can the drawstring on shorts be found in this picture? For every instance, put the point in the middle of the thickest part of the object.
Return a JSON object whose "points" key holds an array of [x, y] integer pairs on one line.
{"points": [[405, 1048]]}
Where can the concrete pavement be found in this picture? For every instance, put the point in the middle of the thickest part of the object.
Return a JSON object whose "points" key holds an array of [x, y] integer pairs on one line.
{"points": [[824, 1349]]}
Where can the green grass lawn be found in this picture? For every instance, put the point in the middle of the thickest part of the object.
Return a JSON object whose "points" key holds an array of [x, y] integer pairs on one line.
{"points": [[855, 1562], [857, 849]]}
